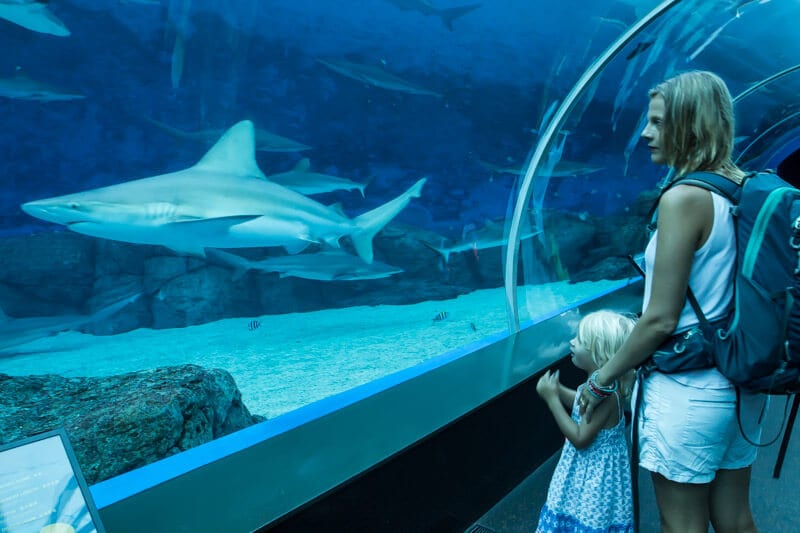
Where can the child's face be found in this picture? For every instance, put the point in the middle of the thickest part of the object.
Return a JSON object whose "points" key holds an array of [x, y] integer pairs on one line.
{"points": [[581, 357]]}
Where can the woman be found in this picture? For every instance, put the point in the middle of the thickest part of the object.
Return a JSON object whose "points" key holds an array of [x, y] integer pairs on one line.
{"points": [[688, 432]]}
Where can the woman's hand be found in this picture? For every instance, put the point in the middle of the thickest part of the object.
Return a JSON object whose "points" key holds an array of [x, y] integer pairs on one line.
{"points": [[587, 403], [547, 386]]}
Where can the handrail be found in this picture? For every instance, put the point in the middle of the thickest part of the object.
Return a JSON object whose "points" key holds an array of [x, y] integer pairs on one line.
{"points": [[763, 133], [778, 75], [512, 253]]}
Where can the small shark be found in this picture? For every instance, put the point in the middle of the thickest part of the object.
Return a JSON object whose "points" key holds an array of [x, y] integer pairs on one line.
{"points": [[15, 331], [302, 180], [32, 15], [321, 266], [424, 6], [374, 76], [563, 168], [21, 87], [490, 235], [224, 201], [266, 141]]}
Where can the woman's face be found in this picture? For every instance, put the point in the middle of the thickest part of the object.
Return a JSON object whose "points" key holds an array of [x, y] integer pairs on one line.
{"points": [[652, 131]]}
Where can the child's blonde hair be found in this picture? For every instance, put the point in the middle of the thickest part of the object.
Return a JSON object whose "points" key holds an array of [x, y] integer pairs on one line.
{"points": [[602, 333]]}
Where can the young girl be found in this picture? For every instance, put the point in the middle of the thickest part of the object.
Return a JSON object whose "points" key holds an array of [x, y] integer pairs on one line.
{"points": [[591, 485]]}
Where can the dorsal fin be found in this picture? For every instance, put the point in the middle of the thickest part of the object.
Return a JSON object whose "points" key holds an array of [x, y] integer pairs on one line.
{"points": [[233, 153], [338, 208], [304, 165]]}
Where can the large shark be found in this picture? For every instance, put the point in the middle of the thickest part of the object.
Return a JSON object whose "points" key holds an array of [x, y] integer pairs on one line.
{"points": [[266, 141], [302, 180], [32, 15], [447, 15], [374, 76], [333, 265], [224, 201], [21, 87], [16, 331]]}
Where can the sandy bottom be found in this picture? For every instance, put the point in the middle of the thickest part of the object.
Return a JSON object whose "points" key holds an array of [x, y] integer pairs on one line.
{"points": [[291, 360]]}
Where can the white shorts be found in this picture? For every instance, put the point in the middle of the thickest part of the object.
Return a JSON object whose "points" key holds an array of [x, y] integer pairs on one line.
{"points": [[687, 433]]}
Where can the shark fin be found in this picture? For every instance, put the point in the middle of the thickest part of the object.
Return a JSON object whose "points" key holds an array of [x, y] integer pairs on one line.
{"points": [[221, 223], [332, 241], [445, 253], [371, 222], [33, 16], [451, 14], [296, 246], [304, 165], [338, 208], [233, 153]]}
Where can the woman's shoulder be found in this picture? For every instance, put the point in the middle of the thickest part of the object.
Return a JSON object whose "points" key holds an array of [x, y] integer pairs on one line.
{"points": [[684, 195]]}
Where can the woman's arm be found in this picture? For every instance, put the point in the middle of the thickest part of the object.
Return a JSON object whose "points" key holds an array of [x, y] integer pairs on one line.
{"points": [[580, 435], [583, 434], [685, 217]]}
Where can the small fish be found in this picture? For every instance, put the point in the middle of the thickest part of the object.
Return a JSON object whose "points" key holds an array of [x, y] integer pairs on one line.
{"points": [[253, 325], [441, 315], [472, 325]]}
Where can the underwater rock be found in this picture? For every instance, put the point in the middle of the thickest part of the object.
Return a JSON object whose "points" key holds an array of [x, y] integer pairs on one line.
{"points": [[119, 423], [65, 260]]}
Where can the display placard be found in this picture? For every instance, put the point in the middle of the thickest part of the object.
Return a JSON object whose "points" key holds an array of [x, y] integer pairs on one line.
{"points": [[42, 489]]}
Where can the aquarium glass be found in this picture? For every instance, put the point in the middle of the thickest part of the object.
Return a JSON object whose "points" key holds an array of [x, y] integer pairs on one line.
{"points": [[214, 213]]}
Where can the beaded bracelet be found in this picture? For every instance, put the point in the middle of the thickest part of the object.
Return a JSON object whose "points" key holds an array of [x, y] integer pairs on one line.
{"points": [[601, 392]]}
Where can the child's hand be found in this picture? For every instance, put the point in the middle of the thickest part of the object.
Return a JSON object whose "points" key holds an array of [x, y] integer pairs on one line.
{"points": [[547, 386]]}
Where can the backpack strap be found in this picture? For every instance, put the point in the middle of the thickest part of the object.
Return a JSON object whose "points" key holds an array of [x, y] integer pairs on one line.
{"points": [[711, 182]]}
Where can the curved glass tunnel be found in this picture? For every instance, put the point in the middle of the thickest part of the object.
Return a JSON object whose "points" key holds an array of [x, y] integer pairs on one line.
{"points": [[234, 231]]}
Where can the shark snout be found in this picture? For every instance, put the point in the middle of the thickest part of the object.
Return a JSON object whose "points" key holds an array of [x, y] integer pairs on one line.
{"points": [[59, 213]]}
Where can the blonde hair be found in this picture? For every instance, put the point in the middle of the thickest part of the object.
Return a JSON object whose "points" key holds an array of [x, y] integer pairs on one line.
{"points": [[602, 333], [698, 128]]}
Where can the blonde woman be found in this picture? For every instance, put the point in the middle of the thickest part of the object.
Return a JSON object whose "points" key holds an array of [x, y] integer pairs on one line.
{"points": [[591, 486], [688, 433]]}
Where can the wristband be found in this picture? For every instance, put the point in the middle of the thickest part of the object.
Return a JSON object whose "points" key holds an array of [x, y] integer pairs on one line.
{"points": [[600, 392]]}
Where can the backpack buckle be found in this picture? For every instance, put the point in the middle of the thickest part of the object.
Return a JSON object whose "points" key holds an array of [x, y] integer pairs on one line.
{"points": [[794, 242]]}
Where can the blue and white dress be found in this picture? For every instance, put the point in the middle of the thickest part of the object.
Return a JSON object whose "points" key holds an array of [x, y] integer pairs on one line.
{"points": [[591, 488]]}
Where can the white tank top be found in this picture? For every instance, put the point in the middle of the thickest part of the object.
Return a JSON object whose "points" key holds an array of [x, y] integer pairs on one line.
{"points": [[711, 280]]}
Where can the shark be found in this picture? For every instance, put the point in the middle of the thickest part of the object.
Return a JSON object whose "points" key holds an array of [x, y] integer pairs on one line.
{"points": [[448, 15], [375, 76], [21, 87], [266, 141], [563, 168], [16, 331], [223, 201], [491, 235], [33, 15], [302, 180], [333, 265]]}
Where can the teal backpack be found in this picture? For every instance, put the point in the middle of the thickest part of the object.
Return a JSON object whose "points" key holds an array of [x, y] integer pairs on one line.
{"points": [[757, 346]]}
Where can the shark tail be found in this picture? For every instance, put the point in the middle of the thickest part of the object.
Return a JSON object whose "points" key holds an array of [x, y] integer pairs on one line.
{"points": [[441, 251], [109, 310], [371, 222], [448, 16]]}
